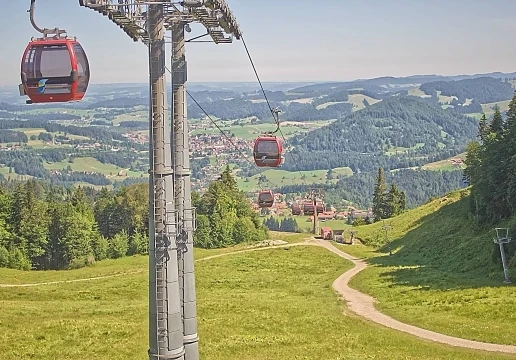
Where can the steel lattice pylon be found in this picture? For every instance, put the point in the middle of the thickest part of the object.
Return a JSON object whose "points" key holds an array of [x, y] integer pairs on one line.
{"points": [[172, 300]]}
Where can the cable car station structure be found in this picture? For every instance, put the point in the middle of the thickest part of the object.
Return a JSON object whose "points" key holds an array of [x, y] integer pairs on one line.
{"points": [[172, 299]]}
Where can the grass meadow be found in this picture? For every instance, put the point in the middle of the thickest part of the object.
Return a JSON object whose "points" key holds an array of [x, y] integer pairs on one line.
{"points": [[441, 275], [271, 304]]}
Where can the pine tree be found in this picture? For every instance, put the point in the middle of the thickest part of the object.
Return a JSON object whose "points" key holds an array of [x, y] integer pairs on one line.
{"points": [[202, 236], [483, 128], [102, 213], [496, 164], [225, 205], [402, 201], [391, 202], [510, 154], [378, 196], [497, 122]]}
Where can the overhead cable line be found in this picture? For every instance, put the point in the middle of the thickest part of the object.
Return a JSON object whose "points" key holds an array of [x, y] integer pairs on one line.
{"points": [[275, 117], [257, 76], [229, 139]]}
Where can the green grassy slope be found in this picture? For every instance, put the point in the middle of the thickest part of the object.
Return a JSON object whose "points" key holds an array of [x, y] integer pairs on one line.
{"points": [[273, 304], [441, 275]]}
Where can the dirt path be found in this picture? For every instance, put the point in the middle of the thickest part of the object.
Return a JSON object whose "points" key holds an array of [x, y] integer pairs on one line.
{"points": [[363, 305], [72, 280], [309, 242]]}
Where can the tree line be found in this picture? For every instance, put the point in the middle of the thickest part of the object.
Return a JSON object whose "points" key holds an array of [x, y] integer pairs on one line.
{"points": [[491, 172], [43, 226], [418, 185], [491, 167], [10, 136], [288, 224]]}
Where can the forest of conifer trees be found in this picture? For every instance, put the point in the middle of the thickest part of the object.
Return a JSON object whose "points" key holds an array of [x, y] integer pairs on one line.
{"points": [[491, 167], [44, 226], [224, 215], [49, 227]]}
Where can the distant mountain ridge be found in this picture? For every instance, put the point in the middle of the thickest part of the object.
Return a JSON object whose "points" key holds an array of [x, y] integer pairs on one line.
{"points": [[287, 85], [407, 80]]}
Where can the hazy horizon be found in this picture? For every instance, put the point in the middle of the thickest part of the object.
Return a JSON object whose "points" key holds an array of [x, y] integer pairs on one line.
{"points": [[291, 81], [332, 42]]}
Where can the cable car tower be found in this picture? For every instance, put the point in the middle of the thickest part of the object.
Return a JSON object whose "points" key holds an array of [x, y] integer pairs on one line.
{"points": [[172, 300], [315, 199]]}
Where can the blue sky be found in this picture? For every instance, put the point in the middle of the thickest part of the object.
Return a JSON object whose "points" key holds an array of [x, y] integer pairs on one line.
{"points": [[323, 40]]}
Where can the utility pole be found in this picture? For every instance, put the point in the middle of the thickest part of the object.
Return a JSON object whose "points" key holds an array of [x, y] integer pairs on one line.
{"points": [[313, 195], [172, 300], [502, 237], [386, 228], [352, 235]]}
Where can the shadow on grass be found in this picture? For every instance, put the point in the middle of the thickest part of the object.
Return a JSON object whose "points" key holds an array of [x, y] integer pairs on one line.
{"points": [[443, 251]]}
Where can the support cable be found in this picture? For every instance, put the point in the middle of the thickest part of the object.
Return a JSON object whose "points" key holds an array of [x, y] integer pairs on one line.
{"points": [[229, 139], [273, 111]]}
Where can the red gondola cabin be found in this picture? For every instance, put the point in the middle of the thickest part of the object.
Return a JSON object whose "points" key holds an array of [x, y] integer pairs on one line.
{"points": [[320, 208], [268, 151], [54, 70], [308, 208], [265, 199], [296, 209]]}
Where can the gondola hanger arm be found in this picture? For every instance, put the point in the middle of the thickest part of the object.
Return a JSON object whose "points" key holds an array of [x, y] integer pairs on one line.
{"points": [[56, 31], [275, 113]]}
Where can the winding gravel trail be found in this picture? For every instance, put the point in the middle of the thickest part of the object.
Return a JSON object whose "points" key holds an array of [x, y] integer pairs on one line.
{"points": [[363, 305]]}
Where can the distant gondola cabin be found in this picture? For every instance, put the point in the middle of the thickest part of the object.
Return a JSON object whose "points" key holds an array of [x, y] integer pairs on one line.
{"points": [[320, 208], [308, 208], [268, 151], [265, 199]]}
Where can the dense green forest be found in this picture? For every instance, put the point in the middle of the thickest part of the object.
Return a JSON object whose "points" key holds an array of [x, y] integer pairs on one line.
{"points": [[362, 140], [418, 185], [483, 89], [491, 167], [44, 226], [491, 172], [242, 108]]}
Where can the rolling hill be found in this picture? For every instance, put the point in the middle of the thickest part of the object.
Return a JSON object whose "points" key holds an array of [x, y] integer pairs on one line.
{"points": [[483, 90], [395, 133]]}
